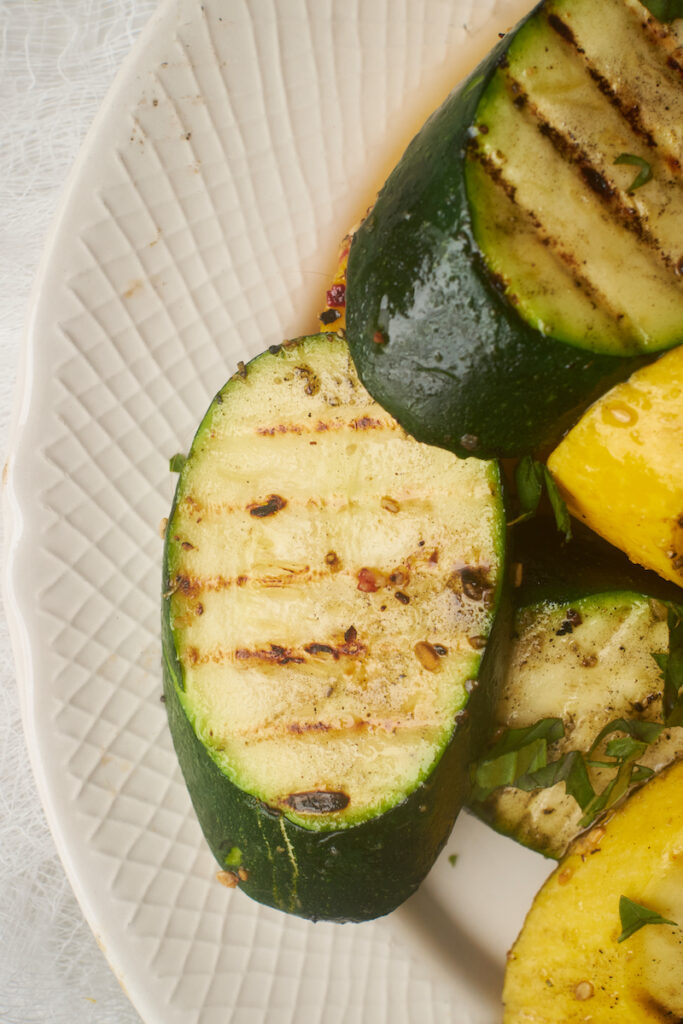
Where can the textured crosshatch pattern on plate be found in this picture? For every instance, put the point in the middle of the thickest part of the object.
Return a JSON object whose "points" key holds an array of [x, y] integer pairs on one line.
{"points": [[200, 226]]}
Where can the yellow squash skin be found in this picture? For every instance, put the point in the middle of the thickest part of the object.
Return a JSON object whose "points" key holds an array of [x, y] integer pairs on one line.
{"points": [[333, 317], [620, 469], [567, 965]]}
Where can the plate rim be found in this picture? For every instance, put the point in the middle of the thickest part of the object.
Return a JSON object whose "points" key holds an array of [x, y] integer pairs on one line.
{"points": [[115, 102]]}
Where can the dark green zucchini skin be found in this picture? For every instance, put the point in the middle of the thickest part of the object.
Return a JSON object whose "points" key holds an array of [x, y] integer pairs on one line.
{"points": [[563, 571], [355, 874], [433, 340]]}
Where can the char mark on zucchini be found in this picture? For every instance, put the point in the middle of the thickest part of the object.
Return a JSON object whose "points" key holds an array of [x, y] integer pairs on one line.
{"points": [[319, 696], [518, 109]]}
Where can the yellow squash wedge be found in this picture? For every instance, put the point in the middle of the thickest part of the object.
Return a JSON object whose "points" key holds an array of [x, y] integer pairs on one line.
{"points": [[571, 961], [620, 469]]}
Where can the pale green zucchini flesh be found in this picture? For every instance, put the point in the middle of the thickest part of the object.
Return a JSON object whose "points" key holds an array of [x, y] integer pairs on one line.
{"points": [[574, 176], [588, 662], [331, 585]]}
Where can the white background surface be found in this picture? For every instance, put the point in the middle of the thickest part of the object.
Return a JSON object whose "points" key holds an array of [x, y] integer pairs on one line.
{"points": [[57, 59]]}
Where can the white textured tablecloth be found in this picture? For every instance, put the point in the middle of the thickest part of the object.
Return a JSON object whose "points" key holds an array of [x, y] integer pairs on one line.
{"points": [[57, 60]]}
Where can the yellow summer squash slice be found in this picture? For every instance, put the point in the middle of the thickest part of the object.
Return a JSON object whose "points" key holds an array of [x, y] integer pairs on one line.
{"points": [[603, 941], [620, 469]]}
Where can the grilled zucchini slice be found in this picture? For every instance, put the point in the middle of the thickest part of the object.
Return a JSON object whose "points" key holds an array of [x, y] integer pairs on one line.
{"points": [[330, 590], [589, 631], [585, 100], [510, 270], [574, 960]]}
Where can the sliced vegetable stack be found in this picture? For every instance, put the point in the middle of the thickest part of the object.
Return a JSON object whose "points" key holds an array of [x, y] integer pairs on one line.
{"points": [[331, 586], [337, 645], [526, 252]]}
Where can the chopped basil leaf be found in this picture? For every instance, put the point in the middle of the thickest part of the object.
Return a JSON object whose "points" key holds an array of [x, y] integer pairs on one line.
{"points": [[507, 769], [530, 476], [664, 10], [634, 916], [516, 754], [625, 748], [671, 667], [645, 732], [558, 504], [452, 859], [570, 769], [529, 481], [641, 773], [520, 759], [673, 677], [612, 792], [643, 175], [549, 729], [662, 658], [233, 858], [176, 462]]}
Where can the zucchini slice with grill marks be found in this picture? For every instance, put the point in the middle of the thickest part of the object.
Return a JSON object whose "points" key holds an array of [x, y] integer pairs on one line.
{"points": [[589, 629], [330, 590], [527, 251]]}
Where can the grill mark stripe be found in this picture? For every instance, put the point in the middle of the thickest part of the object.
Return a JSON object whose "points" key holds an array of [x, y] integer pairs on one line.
{"points": [[551, 242], [198, 507], [286, 731], [361, 422], [277, 655], [662, 39], [572, 153], [630, 112], [192, 586]]}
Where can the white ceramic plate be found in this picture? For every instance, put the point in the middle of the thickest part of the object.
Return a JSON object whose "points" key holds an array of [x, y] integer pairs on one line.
{"points": [[201, 224]]}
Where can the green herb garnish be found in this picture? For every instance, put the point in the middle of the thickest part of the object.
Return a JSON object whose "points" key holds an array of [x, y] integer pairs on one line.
{"points": [[176, 462], [664, 10], [570, 769], [233, 858], [644, 174], [517, 753], [520, 759], [671, 666], [452, 859], [633, 916], [558, 504], [643, 732], [529, 482], [530, 478]]}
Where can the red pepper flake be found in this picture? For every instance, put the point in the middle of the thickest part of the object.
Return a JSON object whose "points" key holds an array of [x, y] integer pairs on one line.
{"points": [[379, 338], [370, 580], [336, 296]]}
